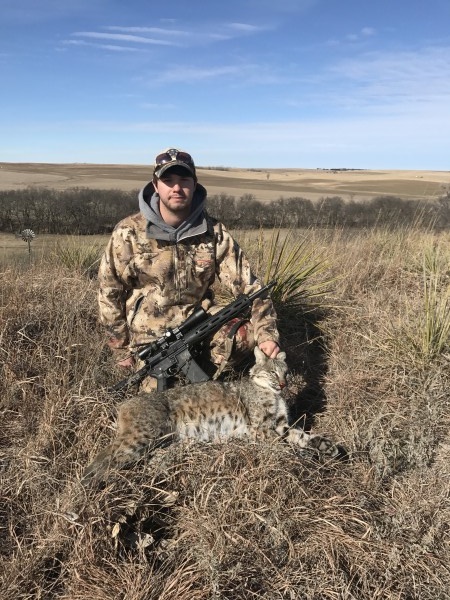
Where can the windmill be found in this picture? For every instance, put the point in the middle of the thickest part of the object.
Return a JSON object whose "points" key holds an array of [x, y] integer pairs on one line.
{"points": [[28, 236]]}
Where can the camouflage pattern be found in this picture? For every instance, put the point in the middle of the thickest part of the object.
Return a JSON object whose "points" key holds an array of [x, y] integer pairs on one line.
{"points": [[148, 285]]}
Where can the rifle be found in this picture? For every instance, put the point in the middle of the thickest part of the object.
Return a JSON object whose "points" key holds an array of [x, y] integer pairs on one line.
{"points": [[177, 348]]}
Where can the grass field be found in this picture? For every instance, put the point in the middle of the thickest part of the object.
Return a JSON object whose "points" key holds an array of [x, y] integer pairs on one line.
{"points": [[265, 184], [45, 248], [241, 521]]}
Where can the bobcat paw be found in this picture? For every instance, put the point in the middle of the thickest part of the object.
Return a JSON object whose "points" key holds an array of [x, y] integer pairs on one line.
{"points": [[326, 448]]}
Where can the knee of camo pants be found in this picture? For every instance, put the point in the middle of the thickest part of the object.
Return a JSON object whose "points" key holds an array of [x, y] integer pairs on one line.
{"points": [[232, 345]]}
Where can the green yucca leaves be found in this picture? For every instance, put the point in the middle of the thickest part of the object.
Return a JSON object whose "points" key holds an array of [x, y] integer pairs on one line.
{"points": [[78, 257], [298, 267]]}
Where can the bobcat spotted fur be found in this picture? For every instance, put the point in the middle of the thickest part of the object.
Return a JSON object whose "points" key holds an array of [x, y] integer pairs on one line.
{"points": [[211, 411]]}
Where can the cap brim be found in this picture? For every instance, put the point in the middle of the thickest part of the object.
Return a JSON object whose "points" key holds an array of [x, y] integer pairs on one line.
{"points": [[174, 163]]}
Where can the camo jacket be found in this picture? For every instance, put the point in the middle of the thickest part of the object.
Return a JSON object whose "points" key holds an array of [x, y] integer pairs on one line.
{"points": [[148, 285]]}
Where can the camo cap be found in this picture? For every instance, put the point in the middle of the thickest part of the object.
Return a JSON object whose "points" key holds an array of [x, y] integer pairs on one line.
{"points": [[171, 157]]}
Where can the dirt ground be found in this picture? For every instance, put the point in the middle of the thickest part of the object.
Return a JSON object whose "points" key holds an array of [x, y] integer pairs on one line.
{"points": [[264, 184]]}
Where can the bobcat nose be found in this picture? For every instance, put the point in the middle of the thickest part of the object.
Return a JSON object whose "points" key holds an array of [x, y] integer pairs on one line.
{"points": [[282, 384]]}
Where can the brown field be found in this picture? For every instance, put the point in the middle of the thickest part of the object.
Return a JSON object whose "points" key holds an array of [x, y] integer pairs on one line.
{"points": [[265, 184]]}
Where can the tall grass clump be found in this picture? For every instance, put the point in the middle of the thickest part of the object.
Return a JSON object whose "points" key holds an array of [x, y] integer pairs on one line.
{"points": [[80, 257], [436, 295]]}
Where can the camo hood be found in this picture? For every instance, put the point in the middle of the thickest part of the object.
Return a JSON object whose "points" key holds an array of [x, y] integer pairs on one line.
{"points": [[158, 229]]}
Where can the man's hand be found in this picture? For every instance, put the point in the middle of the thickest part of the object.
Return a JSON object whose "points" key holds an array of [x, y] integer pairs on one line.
{"points": [[126, 363], [270, 348]]}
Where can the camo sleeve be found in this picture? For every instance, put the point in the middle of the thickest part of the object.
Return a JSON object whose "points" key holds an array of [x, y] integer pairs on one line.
{"points": [[112, 290], [234, 271]]}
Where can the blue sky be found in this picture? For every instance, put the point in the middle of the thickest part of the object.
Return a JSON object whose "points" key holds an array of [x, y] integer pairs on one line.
{"points": [[241, 83]]}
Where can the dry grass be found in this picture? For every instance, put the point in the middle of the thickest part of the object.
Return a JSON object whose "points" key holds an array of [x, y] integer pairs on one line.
{"points": [[48, 247], [239, 521]]}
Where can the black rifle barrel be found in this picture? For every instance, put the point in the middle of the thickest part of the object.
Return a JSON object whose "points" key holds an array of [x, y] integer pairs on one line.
{"points": [[214, 322]]}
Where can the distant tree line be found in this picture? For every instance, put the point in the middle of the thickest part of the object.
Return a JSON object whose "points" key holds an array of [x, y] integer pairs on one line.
{"points": [[87, 211], [384, 211], [75, 210]]}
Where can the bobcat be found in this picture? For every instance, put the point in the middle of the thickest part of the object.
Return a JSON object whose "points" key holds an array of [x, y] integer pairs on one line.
{"points": [[210, 411]]}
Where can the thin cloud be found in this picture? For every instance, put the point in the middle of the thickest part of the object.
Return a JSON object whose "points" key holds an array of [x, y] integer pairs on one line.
{"points": [[247, 28], [364, 33], [215, 32], [123, 38], [166, 36], [391, 89], [242, 74], [193, 74], [358, 37], [411, 77], [113, 47], [116, 48], [219, 37], [154, 30]]}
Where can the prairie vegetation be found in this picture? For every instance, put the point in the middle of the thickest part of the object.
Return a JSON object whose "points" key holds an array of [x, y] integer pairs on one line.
{"points": [[369, 355]]}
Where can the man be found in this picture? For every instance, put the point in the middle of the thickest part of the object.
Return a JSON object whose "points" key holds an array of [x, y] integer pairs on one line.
{"points": [[162, 262]]}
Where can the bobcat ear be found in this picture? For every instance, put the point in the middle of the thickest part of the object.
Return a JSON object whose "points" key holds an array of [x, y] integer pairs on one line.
{"points": [[260, 356], [281, 355]]}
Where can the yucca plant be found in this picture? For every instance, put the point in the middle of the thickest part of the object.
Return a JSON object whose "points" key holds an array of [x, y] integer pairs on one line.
{"points": [[299, 268], [82, 258]]}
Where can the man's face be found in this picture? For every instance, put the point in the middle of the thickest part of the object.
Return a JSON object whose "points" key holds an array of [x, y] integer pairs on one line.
{"points": [[176, 190]]}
